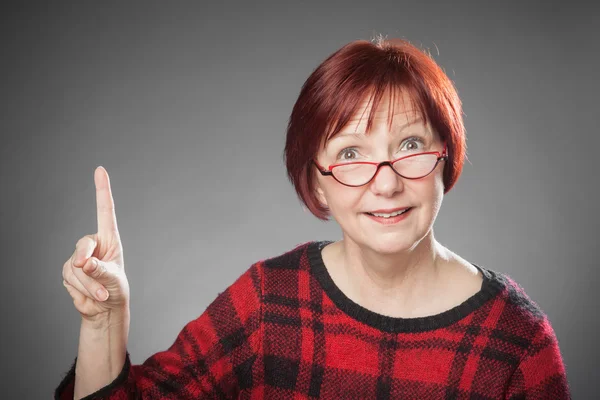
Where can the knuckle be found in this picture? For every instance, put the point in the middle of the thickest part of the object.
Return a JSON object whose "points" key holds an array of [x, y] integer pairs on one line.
{"points": [[90, 241], [71, 262], [67, 268], [85, 241], [67, 276]]}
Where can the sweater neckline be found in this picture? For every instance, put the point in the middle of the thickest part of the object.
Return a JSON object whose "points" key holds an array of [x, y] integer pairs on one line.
{"points": [[490, 287]]}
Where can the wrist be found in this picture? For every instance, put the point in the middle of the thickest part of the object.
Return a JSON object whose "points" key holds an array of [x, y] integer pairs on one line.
{"points": [[107, 320]]}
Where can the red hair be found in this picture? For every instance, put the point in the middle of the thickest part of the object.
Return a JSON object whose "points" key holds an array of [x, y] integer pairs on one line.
{"points": [[334, 91]]}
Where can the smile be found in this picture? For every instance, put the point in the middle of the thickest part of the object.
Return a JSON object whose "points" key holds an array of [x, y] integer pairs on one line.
{"points": [[386, 215], [389, 219]]}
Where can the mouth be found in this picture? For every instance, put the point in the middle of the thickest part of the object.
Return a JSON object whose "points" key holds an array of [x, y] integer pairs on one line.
{"points": [[389, 213]]}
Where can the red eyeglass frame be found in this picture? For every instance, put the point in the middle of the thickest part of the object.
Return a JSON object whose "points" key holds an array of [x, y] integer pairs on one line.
{"points": [[443, 156]]}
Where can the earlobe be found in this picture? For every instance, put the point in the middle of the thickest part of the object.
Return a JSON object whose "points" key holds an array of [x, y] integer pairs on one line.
{"points": [[321, 196]]}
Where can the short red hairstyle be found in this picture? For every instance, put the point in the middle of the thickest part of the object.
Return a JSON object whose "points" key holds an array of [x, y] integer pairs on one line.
{"points": [[333, 92]]}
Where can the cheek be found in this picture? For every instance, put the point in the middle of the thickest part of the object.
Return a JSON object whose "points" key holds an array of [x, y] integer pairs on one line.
{"points": [[341, 199], [429, 191], [438, 185], [436, 193]]}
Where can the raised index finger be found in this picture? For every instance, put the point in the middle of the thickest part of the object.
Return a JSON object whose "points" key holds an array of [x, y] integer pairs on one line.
{"points": [[107, 219]]}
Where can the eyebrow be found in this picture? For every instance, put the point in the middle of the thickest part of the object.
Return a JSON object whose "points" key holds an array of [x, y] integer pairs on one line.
{"points": [[397, 129]]}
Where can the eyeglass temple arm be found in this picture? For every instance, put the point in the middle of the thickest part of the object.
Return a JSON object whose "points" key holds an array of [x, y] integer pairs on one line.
{"points": [[444, 155], [323, 171]]}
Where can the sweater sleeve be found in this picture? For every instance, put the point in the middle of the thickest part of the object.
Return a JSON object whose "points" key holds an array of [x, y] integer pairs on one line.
{"points": [[541, 374], [211, 357]]}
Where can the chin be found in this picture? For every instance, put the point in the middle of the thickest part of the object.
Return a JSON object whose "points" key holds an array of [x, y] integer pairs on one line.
{"points": [[390, 243]]}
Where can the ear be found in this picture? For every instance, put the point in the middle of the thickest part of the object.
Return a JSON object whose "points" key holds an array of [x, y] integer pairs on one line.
{"points": [[320, 195]]}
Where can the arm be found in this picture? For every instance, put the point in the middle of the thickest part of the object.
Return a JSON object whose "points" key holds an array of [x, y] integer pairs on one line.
{"points": [[541, 373], [212, 356]]}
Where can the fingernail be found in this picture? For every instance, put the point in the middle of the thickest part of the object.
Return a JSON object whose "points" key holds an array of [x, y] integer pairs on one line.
{"points": [[102, 294], [94, 264]]}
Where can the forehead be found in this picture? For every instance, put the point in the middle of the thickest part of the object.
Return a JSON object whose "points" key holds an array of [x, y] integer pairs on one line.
{"points": [[398, 111], [397, 108]]}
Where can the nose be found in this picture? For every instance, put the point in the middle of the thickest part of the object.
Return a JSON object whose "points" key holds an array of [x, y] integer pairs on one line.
{"points": [[386, 182]]}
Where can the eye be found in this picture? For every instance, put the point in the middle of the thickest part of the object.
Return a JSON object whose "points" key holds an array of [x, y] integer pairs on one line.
{"points": [[347, 154], [412, 144]]}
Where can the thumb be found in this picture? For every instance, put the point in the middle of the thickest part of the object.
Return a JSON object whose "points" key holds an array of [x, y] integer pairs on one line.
{"points": [[97, 269]]}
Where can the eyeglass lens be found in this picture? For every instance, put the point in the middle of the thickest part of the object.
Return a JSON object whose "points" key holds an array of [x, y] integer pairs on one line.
{"points": [[413, 167]]}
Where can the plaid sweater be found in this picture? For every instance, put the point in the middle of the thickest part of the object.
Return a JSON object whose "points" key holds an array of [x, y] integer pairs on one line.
{"points": [[283, 330]]}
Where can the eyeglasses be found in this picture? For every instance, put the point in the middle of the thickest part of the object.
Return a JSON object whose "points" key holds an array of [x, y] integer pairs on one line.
{"points": [[413, 166]]}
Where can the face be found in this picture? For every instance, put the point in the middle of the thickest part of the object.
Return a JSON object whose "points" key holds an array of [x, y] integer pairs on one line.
{"points": [[350, 206]]}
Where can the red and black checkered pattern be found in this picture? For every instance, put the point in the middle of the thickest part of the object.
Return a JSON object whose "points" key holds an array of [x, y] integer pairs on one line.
{"points": [[283, 330]]}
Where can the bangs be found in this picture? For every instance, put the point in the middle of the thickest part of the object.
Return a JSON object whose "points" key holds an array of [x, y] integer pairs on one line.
{"points": [[397, 94], [356, 79]]}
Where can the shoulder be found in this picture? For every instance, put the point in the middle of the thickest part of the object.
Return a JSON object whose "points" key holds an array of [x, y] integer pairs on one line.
{"points": [[271, 269], [286, 276], [519, 318], [517, 301], [532, 345], [289, 259], [521, 335]]}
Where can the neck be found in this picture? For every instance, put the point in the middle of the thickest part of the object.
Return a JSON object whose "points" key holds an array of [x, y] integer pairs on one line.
{"points": [[404, 279]]}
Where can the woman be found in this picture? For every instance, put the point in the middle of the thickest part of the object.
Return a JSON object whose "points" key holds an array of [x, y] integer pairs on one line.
{"points": [[375, 140]]}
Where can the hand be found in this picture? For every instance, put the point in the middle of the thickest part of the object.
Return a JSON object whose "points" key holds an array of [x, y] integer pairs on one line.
{"points": [[95, 274]]}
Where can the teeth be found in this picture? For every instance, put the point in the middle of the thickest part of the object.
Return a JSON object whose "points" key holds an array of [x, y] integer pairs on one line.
{"points": [[390, 215]]}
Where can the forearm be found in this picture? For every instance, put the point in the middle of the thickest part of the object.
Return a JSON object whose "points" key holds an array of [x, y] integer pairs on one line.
{"points": [[102, 348]]}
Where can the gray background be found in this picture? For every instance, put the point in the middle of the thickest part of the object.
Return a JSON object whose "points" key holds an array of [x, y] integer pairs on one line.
{"points": [[186, 105]]}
